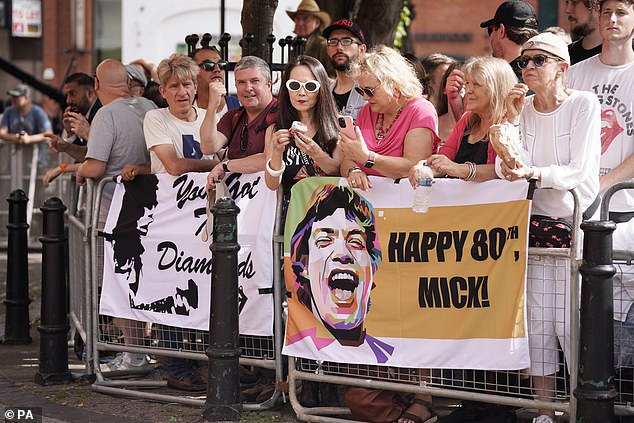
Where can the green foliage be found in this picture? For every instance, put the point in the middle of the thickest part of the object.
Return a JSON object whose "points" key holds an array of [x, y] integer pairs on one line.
{"points": [[403, 25]]}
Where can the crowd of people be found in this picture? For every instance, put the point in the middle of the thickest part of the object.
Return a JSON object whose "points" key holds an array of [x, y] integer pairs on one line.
{"points": [[567, 107]]}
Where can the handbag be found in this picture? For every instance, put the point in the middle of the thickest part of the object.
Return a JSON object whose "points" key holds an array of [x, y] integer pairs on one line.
{"points": [[549, 232], [375, 405]]}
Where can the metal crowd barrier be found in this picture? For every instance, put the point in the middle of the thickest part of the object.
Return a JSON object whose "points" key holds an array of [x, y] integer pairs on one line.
{"points": [[511, 388], [79, 214], [624, 359], [20, 170], [256, 351]]}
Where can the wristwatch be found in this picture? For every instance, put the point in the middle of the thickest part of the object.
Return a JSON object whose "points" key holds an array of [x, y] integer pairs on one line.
{"points": [[371, 158], [225, 165]]}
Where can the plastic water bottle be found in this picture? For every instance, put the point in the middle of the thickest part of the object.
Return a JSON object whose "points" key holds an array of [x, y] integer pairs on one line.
{"points": [[422, 195]]}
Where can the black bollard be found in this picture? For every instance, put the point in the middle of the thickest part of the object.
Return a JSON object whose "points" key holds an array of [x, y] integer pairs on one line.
{"points": [[595, 387], [223, 389], [16, 330], [54, 320]]}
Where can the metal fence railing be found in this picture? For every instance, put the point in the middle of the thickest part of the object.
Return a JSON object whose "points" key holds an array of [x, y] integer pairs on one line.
{"points": [[510, 388], [141, 337], [623, 290]]}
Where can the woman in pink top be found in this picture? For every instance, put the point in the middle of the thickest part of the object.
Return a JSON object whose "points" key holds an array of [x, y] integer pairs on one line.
{"points": [[397, 127]]}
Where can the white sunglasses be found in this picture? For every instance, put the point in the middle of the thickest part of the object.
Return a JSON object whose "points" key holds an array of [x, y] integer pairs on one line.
{"points": [[310, 86]]}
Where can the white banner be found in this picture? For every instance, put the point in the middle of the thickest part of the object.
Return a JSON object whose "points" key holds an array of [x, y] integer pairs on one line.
{"points": [[157, 268]]}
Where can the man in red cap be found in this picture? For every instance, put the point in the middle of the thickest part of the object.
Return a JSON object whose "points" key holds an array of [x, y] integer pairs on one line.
{"points": [[346, 43]]}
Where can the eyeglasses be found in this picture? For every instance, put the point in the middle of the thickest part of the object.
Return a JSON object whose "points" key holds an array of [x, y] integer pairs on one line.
{"points": [[345, 42], [208, 65], [538, 60], [366, 91], [311, 86], [490, 29], [244, 138]]}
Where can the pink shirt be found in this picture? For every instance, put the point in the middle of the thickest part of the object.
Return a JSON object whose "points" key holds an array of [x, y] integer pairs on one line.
{"points": [[451, 146], [418, 113]]}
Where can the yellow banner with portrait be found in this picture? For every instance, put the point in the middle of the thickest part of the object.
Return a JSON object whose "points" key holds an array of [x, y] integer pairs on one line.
{"points": [[372, 282]]}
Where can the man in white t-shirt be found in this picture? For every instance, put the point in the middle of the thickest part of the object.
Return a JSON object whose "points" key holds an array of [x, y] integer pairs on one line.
{"points": [[610, 75], [173, 135]]}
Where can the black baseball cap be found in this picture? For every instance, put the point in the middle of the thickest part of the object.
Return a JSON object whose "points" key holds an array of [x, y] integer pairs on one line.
{"points": [[513, 13], [347, 25]]}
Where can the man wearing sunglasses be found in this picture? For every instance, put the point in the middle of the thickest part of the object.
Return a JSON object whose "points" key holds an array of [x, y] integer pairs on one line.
{"points": [[212, 70], [514, 23], [346, 43], [241, 130]]}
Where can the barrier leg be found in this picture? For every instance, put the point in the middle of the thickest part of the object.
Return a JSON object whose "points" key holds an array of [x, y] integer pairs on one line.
{"points": [[223, 388], [54, 327], [17, 302], [595, 387]]}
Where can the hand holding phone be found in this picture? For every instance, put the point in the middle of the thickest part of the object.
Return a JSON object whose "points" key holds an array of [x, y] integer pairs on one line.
{"points": [[347, 126]]}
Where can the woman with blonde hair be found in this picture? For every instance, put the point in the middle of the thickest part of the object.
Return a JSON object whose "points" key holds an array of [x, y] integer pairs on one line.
{"points": [[396, 129], [467, 153]]}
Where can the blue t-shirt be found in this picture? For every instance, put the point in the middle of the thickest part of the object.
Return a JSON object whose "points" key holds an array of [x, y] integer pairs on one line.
{"points": [[34, 122]]}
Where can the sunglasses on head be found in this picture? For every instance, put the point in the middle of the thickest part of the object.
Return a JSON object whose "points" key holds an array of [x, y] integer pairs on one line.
{"points": [[311, 86], [208, 65], [538, 60], [366, 91]]}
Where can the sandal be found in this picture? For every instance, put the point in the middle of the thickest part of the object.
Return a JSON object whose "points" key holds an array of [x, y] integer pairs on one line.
{"points": [[410, 413]]}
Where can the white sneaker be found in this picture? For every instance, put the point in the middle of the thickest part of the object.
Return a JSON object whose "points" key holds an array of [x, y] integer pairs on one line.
{"points": [[543, 419], [121, 363]]}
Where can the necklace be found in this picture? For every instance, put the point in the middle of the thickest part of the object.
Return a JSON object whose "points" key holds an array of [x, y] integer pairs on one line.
{"points": [[380, 132]]}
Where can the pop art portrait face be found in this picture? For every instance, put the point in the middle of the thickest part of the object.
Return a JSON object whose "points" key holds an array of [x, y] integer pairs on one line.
{"points": [[335, 253], [339, 270]]}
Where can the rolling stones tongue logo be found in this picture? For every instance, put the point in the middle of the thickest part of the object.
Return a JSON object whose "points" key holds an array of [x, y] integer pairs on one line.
{"points": [[610, 129]]}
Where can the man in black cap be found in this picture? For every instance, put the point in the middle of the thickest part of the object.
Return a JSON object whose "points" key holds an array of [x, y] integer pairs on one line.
{"points": [[345, 43], [24, 122], [514, 23]]}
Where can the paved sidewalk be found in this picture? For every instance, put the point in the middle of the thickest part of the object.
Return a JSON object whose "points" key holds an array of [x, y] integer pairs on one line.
{"points": [[77, 402]]}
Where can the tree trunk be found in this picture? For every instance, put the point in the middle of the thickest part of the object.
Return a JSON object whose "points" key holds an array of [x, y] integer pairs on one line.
{"points": [[337, 9], [378, 20], [257, 19]]}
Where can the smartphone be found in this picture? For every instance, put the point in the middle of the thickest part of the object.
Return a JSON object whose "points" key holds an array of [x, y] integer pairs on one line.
{"points": [[347, 126]]}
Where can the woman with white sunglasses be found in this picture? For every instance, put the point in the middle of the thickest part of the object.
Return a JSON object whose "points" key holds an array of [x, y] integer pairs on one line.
{"points": [[304, 140], [396, 129]]}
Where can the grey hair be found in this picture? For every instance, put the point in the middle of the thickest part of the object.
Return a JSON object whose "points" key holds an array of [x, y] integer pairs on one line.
{"points": [[248, 62], [179, 65]]}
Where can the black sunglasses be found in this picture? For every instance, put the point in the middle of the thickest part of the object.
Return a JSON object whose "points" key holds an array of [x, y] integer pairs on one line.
{"points": [[366, 91], [244, 138], [538, 60], [208, 65]]}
